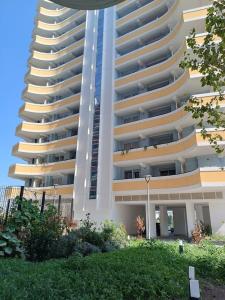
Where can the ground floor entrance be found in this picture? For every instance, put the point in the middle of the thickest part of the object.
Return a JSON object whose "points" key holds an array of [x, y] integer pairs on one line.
{"points": [[170, 220]]}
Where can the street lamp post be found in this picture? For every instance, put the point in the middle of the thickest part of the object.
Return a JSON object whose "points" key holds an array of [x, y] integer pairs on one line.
{"points": [[147, 179]]}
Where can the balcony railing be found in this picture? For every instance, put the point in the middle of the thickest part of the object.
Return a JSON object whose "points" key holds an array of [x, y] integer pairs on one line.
{"points": [[126, 8]]}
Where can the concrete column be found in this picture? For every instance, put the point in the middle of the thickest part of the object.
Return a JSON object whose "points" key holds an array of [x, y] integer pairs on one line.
{"points": [[163, 220], [152, 221], [199, 213], [179, 220], [190, 212], [35, 183]]}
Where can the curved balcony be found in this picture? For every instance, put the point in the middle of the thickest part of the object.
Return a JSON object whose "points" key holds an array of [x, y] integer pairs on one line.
{"points": [[195, 14], [32, 109], [129, 37], [143, 74], [44, 56], [60, 39], [54, 13], [63, 190], [36, 92], [26, 171], [60, 25], [193, 144], [151, 48], [29, 150], [183, 82], [49, 4], [155, 124], [124, 4], [28, 129], [54, 72], [134, 15], [204, 177], [201, 37]]}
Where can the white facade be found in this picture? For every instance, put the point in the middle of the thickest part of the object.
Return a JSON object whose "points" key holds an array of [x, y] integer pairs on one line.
{"points": [[126, 59], [189, 203]]}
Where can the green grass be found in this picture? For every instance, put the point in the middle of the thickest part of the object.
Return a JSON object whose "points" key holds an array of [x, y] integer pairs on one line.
{"points": [[154, 272]]}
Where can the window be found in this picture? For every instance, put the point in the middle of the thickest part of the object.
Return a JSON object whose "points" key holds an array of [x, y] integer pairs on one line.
{"points": [[136, 174], [168, 172], [128, 174], [131, 174]]}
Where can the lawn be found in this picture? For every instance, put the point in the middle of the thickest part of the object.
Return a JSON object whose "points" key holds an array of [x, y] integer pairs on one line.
{"points": [[153, 271]]}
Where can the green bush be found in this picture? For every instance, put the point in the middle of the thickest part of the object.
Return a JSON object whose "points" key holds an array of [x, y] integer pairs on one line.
{"points": [[88, 232], [2, 217], [108, 237], [86, 248], [88, 239], [10, 246], [43, 234], [22, 220], [38, 231], [114, 234], [65, 245]]}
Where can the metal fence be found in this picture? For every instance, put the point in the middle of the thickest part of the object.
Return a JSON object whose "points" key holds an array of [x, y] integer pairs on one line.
{"points": [[8, 194]]}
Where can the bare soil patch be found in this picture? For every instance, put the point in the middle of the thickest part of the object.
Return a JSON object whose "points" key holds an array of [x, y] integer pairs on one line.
{"points": [[211, 291]]}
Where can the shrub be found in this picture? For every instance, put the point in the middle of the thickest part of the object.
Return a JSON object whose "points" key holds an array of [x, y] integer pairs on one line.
{"points": [[86, 248], [22, 220], [43, 234], [197, 234], [88, 232], [38, 231], [140, 224], [109, 246], [114, 233], [206, 230], [200, 232], [2, 218], [65, 245], [108, 237], [87, 239], [10, 246]]}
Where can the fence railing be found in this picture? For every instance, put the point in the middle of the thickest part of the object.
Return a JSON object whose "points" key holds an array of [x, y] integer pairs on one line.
{"points": [[9, 193]]}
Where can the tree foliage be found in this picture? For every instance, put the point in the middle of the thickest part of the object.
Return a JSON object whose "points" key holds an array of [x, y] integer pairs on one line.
{"points": [[208, 58]]}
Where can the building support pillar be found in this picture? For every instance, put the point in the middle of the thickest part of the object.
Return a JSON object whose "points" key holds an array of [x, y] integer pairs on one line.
{"points": [[190, 212], [199, 213], [163, 220], [150, 216]]}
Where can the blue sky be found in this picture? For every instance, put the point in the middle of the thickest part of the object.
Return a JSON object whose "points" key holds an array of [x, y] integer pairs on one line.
{"points": [[16, 25]]}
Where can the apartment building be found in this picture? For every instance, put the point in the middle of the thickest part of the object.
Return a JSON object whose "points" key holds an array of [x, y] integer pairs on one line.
{"points": [[104, 108]]}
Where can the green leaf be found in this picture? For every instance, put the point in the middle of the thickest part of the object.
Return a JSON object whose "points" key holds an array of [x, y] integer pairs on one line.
{"points": [[18, 249], [2, 243], [8, 250], [2, 253], [6, 236]]}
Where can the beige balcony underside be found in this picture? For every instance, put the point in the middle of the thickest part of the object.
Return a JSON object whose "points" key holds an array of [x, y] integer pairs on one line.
{"points": [[188, 180], [22, 171], [184, 147], [24, 149]]}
